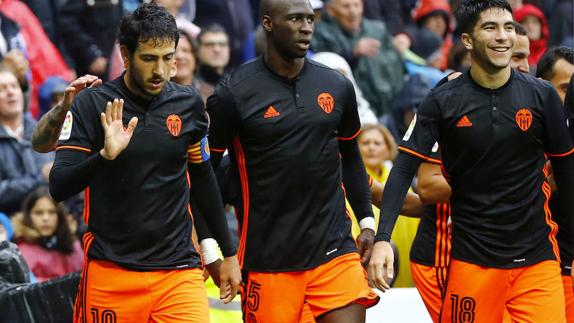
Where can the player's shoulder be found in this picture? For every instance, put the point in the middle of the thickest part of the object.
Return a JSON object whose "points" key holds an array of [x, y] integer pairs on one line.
{"points": [[246, 73], [324, 72], [532, 82]]}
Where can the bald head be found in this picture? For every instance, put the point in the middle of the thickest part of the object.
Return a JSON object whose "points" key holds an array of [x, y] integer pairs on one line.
{"points": [[272, 7]]}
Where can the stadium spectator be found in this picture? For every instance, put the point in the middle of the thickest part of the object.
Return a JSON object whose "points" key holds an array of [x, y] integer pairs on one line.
{"points": [[236, 18], [45, 234], [534, 21], [186, 60], [368, 48], [21, 169], [213, 56]]}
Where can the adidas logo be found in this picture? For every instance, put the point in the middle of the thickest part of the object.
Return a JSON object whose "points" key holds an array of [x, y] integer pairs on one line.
{"points": [[271, 112], [464, 122]]}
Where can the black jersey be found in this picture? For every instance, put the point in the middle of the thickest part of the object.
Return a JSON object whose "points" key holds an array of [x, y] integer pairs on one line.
{"points": [[283, 138], [493, 145], [432, 244], [137, 207]]}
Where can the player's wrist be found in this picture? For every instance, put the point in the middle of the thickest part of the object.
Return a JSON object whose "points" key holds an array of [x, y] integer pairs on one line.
{"points": [[368, 223], [209, 250]]}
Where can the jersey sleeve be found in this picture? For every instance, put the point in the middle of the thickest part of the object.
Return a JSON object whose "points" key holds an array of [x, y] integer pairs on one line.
{"points": [[350, 123], [423, 131], [223, 118], [557, 141], [80, 126]]}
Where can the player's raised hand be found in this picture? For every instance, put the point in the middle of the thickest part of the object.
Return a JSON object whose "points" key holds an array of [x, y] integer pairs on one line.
{"points": [[229, 278], [76, 86], [117, 137], [365, 242], [380, 267]]}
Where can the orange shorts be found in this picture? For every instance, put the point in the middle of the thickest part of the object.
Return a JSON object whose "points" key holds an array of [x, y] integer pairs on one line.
{"points": [[477, 294], [281, 297], [569, 297], [109, 293], [430, 283]]}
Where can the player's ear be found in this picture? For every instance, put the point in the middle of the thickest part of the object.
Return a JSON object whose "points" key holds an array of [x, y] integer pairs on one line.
{"points": [[125, 53], [466, 39], [266, 23], [173, 71]]}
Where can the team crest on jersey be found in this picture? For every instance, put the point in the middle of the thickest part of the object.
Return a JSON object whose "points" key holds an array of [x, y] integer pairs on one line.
{"points": [[326, 102], [524, 119], [409, 132], [67, 127], [173, 123]]}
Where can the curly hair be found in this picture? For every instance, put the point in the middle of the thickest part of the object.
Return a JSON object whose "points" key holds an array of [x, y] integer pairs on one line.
{"points": [[148, 21]]}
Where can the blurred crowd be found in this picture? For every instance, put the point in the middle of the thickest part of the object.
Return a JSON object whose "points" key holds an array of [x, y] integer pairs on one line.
{"points": [[393, 51]]}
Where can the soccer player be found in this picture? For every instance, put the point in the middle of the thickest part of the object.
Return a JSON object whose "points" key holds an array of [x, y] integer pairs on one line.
{"points": [[290, 126], [557, 67], [138, 147], [494, 126], [430, 253]]}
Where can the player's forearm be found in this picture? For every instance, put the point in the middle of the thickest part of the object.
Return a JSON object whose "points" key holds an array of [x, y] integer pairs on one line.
{"points": [[45, 136], [205, 193], [72, 172], [356, 180], [412, 207], [394, 194]]}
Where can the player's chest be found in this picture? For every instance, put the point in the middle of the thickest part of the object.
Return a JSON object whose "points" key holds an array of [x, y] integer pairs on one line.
{"points": [[278, 110], [489, 119]]}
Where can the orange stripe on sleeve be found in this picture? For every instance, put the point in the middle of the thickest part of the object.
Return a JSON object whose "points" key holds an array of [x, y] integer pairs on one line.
{"points": [[350, 138], [74, 148], [217, 150], [419, 155], [563, 154]]}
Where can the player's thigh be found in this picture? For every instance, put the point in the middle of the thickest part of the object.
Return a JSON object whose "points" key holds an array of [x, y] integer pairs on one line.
{"points": [[179, 296], [537, 294], [474, 294], [108, 293], [273, 297], [338, 283], [430, 282]]}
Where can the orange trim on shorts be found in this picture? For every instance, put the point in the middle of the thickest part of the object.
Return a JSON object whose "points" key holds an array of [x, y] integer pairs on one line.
{"points": [[442, 244], [350, 138], [74, 148], [86, 213], [553, 226], [241, 164], [561, 155], [419, 155]]}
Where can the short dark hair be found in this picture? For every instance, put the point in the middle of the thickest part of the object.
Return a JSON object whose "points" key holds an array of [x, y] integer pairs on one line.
{"points": [[148, 21], [213, 29], [519, 29], [545, 67], [469, 11]]}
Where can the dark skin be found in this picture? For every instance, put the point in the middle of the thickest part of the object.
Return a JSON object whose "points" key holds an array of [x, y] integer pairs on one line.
{"points": [[288, 26]]}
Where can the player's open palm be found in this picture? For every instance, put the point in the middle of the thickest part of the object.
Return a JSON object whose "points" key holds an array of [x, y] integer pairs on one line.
{"points": [[230, 279], [380, 269], [117, 137]]}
